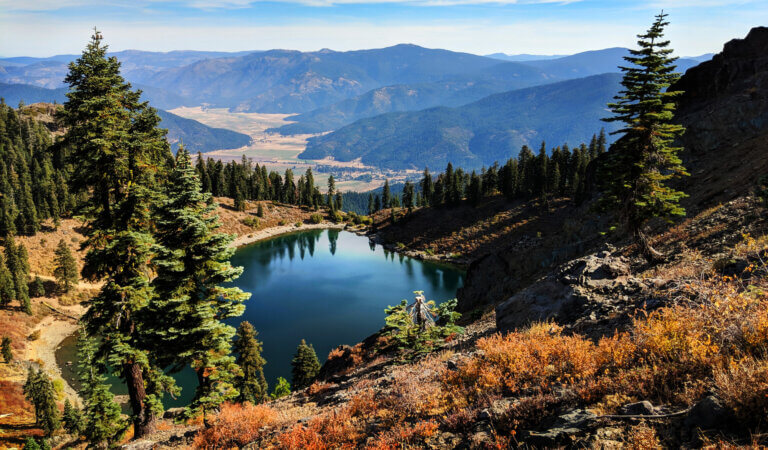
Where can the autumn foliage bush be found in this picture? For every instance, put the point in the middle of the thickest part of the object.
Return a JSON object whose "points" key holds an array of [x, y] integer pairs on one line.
{"points": [[235, 426]]}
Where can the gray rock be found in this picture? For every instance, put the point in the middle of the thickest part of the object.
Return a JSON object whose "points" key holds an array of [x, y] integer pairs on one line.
{"points": [[141, 444], [565, 428], [644, 408], [174, 413], [708, 413]]}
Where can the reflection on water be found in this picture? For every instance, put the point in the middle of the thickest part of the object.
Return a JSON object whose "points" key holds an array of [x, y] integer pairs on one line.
{"points": [[329, 287]]}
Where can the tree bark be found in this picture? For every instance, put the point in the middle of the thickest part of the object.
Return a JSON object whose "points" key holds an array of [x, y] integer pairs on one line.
{"points": [[651, 254], [143, 419]]}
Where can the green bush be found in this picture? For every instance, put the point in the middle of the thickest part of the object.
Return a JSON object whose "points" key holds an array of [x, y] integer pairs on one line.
{"points": [[297, 224], [316, 218], [282, 222], [252, 222], [338, 217]]}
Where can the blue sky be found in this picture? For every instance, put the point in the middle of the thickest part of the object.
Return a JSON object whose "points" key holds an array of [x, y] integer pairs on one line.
{"points": [[47, 27]]}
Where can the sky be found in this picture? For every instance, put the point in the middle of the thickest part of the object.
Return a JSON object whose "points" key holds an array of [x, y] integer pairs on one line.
{"points": [[50, 27]]}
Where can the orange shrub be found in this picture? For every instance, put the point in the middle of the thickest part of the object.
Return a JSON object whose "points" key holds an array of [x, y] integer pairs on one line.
{"points": [[235, 426], [743, 386], [537, 357], [336, 430]]}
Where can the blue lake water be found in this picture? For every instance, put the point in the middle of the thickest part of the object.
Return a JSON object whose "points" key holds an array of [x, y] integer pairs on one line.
{"points": [[329, 287]]}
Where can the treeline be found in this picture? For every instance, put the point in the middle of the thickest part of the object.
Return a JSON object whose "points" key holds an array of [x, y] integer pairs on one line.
{"points": [[244, 180], [33, 180], [559, 173]]}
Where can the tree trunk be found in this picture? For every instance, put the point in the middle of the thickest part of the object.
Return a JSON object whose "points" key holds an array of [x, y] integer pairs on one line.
{"points": [[651, 255], [143, 419]]}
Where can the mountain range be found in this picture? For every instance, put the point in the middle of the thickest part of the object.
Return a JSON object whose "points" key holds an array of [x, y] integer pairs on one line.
{"points": [[403, 106], [462, 89], [397, 78], [476, 134]]}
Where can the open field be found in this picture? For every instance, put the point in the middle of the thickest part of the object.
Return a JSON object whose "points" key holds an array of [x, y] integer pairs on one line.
{"points": [[280, 152]]}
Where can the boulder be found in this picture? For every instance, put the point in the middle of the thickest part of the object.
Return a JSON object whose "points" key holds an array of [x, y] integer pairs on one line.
{"points": [[644, 408], [564, 430], [709, 413]]}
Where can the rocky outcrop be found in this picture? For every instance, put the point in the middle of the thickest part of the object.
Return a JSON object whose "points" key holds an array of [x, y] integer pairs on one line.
{"points": [[588, 294], [724, 107]]}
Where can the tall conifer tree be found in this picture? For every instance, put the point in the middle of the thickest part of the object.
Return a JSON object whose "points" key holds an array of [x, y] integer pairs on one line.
{"points": [[193, 264], [251, 383], [117, 151], [643, 161]]}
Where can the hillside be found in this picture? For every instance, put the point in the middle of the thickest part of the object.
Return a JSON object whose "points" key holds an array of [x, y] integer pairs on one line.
{"points": [[195, 136], [528, 71], [476, 134]]}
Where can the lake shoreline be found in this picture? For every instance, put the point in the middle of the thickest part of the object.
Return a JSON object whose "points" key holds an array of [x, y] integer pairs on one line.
{"points": [[55, 328], [271, 232]]}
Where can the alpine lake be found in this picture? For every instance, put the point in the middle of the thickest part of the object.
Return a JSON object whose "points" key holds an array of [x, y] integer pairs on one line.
{"points": [[329, 287]]}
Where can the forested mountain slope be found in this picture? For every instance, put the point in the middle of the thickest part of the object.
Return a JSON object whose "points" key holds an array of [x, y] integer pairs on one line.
{"points": [[477, 134]]}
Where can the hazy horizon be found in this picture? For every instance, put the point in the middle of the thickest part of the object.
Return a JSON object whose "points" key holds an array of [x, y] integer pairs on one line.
{"points": [[47, 27]]}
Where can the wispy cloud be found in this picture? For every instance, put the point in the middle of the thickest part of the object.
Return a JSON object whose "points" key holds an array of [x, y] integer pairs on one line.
{"points": [[54, 5]]}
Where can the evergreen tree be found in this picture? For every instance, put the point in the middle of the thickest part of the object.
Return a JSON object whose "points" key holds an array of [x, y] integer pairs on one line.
{"points": [[427, 187], [193, 264], [282, 389], [305, 366], [102, 423], [309, 189], [72, 419], [251, 384], [66, 267], [339, 202], [475, 189], [31, 444], [644, 159], [377, 204], [37, 289], [118, 152], [408, 195], [331, 192], [371, 207], [6, 349], [386, 200], [38, 389], [239, 200], [7, 289], [259, 210]]}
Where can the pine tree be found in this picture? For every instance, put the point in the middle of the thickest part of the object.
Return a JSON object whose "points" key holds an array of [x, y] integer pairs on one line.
{"points": [[408, 195], [72, 419], [38, 389], [305, 366], [7, 289], [475, 189], [6, 349], [427, 187], [102, 423], [31, 444], [386, 199], [331, 192], [339, 202], [377, 204], [193, 264], [37, 288], [371, 206], [282, 389], [644, 159], [251, 384], [118, 153], [259, 210], [66, 272]]}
